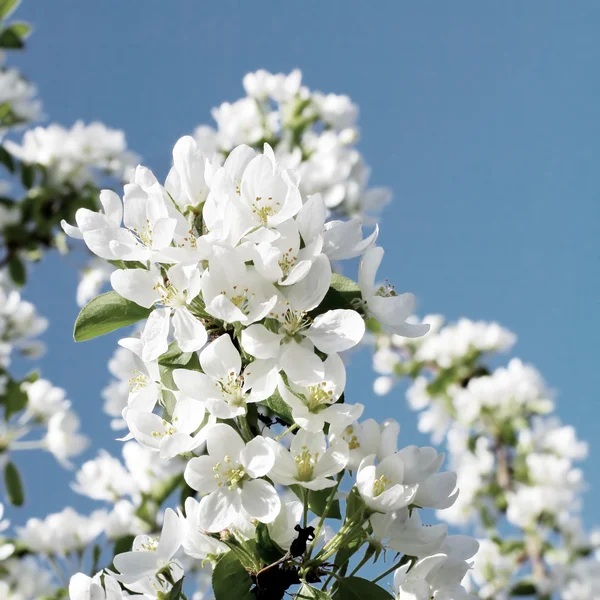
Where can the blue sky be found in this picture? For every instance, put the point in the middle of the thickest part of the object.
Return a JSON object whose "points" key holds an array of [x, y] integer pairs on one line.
{"points": [[482, 117]]}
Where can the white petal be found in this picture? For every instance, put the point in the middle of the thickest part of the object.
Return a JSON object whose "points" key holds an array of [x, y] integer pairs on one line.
{"points": [[72, 232], [136, 285], [199, 474], [310, 291], [162, 233], [218, 510], [188, 330], [155, 335], [301, 365], [260, 500], [367, 270], [257, 457], [170, 536], [336, 330], [311, 218], [222, 440], [220, 358], [261, 376], [258, 341], [112, 206]]}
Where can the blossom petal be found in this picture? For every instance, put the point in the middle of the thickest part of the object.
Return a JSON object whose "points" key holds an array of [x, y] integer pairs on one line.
{"points": [[257, 457], [336, 330], [260, 500]]}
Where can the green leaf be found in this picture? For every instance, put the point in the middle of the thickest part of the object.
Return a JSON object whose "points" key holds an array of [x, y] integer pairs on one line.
{"points": [[341, 294], [176, 358], [21, 29], [354, 503], [27, 171], [524, 588], [123, 544], [176, 590], [317, 501], [6, 159], [268, 550], [230, 580], [7, 7], [357, 588], [311, 593], [17, 271], [14, 485], [15, 399], [12, 36], [277, 405], [106, 313]]}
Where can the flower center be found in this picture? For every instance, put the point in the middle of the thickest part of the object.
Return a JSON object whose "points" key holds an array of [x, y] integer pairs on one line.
{"points": [[228, 474], [387, 290], [232, 388], [138, 381], [264, 208], [150, 545], [305, 464], [351, 438], [318, 397], [144, 234], [287, 261], [292, 321], [170, 295], [168, 429], [240, 298], [380, 485]]}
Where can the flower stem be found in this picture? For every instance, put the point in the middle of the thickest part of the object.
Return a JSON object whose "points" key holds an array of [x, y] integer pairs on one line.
{"points": [[290, 429], [391, 569]]}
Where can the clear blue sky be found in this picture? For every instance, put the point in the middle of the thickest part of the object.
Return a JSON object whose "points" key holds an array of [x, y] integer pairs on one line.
{"points": [[483, 117]]}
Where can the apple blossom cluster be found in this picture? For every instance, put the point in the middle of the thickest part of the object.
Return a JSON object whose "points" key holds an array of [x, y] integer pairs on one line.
{"points": [[75, 157], [515, 460], [128, 490], [18, 96], [18, 101], [311, 132], [53, 171], [35, 414], [236, 371]]}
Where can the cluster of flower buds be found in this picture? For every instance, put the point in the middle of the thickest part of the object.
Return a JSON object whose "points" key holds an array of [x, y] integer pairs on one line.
{"points": [[239, 374], [515, 460]]}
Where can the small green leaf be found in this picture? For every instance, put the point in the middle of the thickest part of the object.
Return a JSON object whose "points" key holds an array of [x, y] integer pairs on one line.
{"points": [[12, 36], [17, 271], [341, 294], [27, 171], [7, 7], [176, 358], [14, 485], [357, 588], [14, 400], [308, 592], [268, 550], [230, 580], [354, 504], [106, 313], [276, 404], [176, 590], [21, 29], [524, 588], [123, 544], [6, 159]]}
